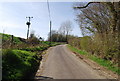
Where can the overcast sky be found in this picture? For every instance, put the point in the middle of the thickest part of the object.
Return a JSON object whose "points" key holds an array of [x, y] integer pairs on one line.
{"points": [[13, 17]]}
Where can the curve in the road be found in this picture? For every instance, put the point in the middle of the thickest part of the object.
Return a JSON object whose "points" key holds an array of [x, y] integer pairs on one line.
{"points": [[60, 63]]}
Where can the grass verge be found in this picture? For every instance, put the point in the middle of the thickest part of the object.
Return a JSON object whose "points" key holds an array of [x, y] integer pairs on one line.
{"points": [[17, 64], [100, 61]]}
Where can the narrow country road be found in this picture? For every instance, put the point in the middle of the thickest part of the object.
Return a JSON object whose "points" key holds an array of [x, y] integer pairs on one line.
{"points": [[61, 63]]}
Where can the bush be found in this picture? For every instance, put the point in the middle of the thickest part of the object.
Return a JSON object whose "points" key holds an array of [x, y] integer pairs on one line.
{"points": [[74, 41], [33, 39], [105, 46], [85, 43]]}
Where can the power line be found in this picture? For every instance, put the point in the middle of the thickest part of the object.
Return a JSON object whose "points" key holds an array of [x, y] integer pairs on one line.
{"points": [[49, 10]]}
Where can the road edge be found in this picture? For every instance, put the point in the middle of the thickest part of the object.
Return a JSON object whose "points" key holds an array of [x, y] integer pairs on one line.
{"points": [[102, 71]]}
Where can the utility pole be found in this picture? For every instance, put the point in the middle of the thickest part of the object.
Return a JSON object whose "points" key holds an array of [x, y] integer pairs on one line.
{"points": [[28, 23], [50, 33]]}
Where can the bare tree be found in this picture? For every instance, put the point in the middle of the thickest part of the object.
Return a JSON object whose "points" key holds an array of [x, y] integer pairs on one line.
{"points": [[102, 20], [112, 9], [65, 28], [56, 37], [95, 18]]}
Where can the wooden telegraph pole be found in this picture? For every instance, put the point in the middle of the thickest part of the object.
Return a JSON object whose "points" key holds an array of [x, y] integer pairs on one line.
{"points": [[50, 33], [28, 23]]}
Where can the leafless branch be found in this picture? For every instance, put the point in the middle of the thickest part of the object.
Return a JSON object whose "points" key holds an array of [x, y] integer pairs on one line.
{"points": [[85, 5]]}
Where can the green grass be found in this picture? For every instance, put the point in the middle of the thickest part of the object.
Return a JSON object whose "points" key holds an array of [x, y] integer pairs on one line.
{"points": [[44, 45], [77, 50], [8, 37], [21, 63], [18, 63], [38, 48], [52, 43], [100, 61]]}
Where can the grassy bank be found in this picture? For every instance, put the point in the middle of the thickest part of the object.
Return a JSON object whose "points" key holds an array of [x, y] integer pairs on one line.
{"points": [[6, 37], [19, 64], [102, 62]]}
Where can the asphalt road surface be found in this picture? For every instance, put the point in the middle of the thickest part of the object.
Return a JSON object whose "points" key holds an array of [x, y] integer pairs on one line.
{"points": [[61, 63]]}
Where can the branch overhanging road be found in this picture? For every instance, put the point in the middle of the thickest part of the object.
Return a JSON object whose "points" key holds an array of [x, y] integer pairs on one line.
{"points": [[60, 63]]}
